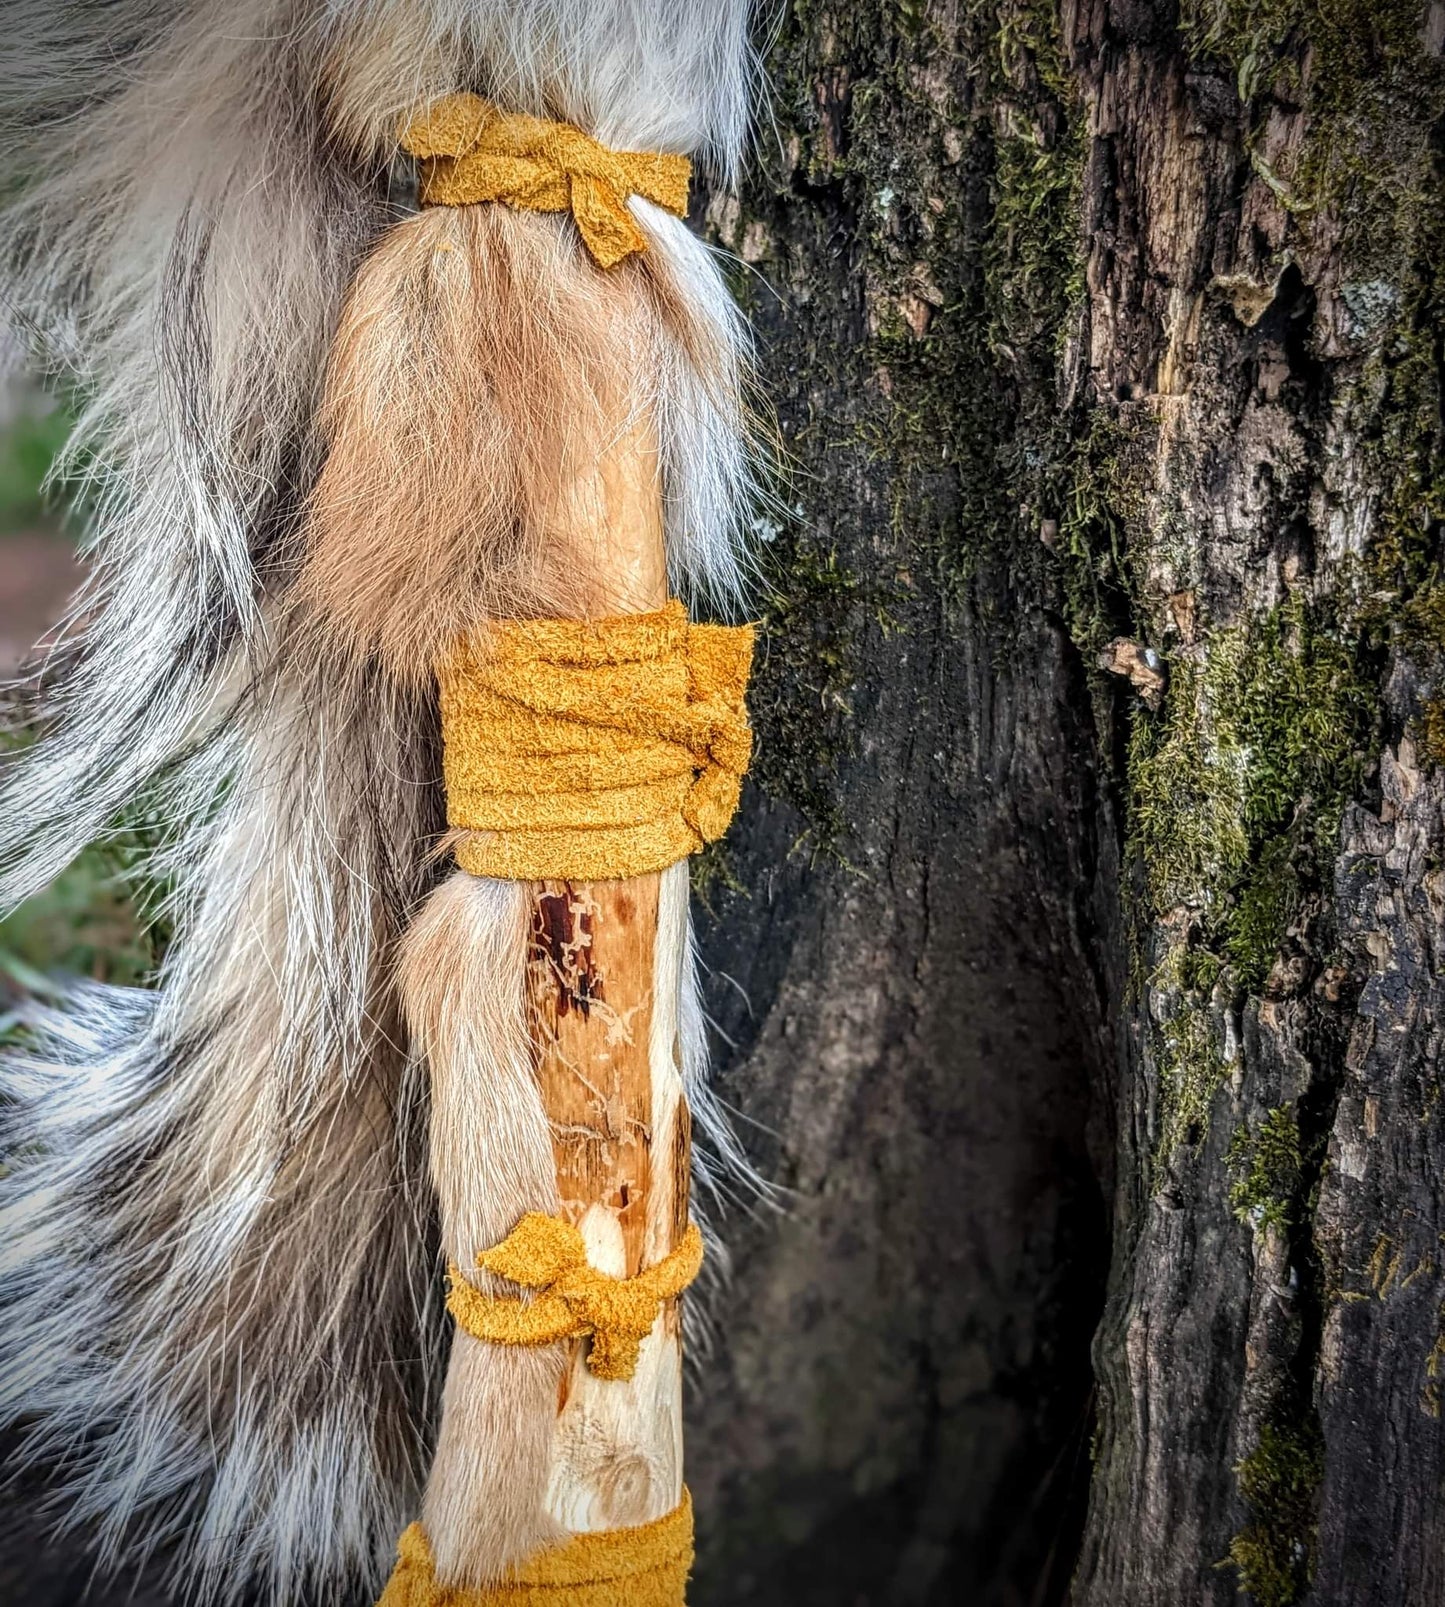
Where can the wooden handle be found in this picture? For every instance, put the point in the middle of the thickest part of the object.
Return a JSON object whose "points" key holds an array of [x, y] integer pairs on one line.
{"points": [[604, 975]]}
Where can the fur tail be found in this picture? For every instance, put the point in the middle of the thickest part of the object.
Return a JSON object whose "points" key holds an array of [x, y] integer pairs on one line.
{"points": [[219, 1260], [219, 1266]]}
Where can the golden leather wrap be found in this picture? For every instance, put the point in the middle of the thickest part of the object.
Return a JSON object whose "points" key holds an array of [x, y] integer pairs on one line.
{"points": [[574, 1299], [645, 1566], [579, 750], [471, 152]]}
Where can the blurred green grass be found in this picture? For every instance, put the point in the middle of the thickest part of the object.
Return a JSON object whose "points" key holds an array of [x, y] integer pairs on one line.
{"points": [[87, 923], [28, 445]]}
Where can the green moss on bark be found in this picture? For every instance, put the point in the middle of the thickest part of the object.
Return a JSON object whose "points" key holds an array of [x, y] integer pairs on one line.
{"points": [[803, 692], [1280, 1479], [1268, 721], [1266, 1166], [1235, 791], [1109, 472], [972, 304], [1190, 1066], [942, 152], [1358, 72], [1236, 787], [1430, 731]]}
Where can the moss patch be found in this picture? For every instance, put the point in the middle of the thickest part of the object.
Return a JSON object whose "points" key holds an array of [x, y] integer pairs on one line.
{"points": [[1266, 1168], [943, 153], [1430, 731], [977, 277], [1271, 720], [801, 695], [1191, 1069], [1265, 907], [1280, 1479], [1403, 583], [1235, 791], [1356, 69], [1110, 470]]}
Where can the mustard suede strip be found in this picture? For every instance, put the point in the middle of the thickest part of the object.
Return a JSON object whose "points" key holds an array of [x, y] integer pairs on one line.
{"points": [[575, 1299], [646, 1566], [471, 152], [585, 750]]}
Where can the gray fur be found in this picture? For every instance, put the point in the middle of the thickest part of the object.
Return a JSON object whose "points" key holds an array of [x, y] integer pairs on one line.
{"points": [[218, 1267]]}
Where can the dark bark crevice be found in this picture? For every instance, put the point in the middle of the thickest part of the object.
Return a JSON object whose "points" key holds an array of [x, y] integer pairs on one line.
{"points": [[900, 1408]]}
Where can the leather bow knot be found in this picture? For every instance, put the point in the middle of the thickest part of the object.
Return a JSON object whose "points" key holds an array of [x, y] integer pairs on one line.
{"points": [[471, 152], [573, 1299]]}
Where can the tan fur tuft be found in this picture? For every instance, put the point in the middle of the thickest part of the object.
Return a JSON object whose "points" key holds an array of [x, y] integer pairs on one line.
{"points": [[484, 1509], [462, 971], [478, 376]]}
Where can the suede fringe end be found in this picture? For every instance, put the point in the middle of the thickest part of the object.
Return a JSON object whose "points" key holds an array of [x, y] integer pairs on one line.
{"points": [[643, 1567], [585, 750], [471, 152], [575, 1299]]}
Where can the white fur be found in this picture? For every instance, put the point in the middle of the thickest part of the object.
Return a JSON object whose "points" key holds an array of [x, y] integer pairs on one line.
{"points": [[669, 75], [221, 1299]]}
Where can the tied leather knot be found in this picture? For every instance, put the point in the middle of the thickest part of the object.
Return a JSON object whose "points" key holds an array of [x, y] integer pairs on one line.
{"points": [[573, 1298], [471, 152], [586, 750]]}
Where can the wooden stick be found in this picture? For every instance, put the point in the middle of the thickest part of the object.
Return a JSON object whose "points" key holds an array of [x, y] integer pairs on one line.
{"points": [[603, 985], [604, 975]]}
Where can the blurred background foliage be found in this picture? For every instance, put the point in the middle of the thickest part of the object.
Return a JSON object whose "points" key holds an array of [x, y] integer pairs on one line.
{"points": [[35, 430], [87, 922]]}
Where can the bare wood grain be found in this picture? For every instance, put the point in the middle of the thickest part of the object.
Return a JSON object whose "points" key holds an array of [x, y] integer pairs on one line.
{"points": [[603, 973]]}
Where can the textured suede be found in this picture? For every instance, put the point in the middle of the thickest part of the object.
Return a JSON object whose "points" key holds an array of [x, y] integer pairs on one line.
{"points": [[593, 749], [643, 1567], [470, 153]]}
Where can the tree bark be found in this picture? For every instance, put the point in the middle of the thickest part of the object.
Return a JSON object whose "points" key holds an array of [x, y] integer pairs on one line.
{"points": [[1089, 893], [906, 968], [1262, 211]]}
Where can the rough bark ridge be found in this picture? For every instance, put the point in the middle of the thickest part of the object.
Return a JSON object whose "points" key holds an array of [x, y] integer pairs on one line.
{"points": [[1262, 210]]}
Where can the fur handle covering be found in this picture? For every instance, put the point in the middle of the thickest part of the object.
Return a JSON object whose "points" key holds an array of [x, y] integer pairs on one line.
{"points": [[316, 429]]}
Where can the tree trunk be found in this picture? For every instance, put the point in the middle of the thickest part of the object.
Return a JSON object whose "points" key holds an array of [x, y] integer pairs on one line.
{"points": [[1263, 207], [1091, 885], [906, 955]]}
